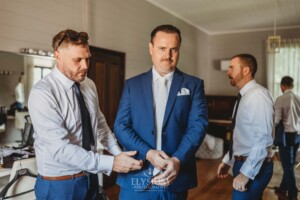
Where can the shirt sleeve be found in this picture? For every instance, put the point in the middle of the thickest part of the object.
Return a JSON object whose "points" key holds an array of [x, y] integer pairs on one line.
{"points": [[107, 164], [227, 160], [278, 111], [52, 137], [106, 137], [260, 118], [109, 142]]}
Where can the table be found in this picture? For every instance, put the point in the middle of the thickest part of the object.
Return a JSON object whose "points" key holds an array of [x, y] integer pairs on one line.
{"points": [[222, 122]]}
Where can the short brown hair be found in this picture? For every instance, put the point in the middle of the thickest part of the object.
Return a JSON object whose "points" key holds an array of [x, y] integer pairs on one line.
{"points": [[69, 36], [166, 28], [287, 81], [249, 61]]}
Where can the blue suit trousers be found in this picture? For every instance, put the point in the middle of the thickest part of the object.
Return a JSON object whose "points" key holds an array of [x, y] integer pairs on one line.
{"points": [[71, 189], [256, 187], [288, 155], [151, 195]]}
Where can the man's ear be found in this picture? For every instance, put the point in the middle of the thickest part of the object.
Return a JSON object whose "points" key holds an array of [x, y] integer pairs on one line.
{"points": [[57, 55], [283, 88], [246, 70], [151, 48]]}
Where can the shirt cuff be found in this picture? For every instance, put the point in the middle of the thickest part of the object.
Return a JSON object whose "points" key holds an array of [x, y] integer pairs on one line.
{"points": [[115, 150], [227, 160], [106, 164], [250, 171]]}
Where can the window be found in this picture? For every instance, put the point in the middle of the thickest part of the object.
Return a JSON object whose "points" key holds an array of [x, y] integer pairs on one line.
{"points": [[39, 72], [284, 62]]}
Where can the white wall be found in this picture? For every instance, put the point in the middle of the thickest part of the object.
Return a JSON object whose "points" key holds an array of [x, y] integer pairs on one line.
{"points": [[121, 25], [125, 25], [33, 23], [220, 47], [203, 55]]}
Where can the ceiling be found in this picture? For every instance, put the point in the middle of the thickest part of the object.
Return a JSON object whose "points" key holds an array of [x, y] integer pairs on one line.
{"points": [[234, 16]]}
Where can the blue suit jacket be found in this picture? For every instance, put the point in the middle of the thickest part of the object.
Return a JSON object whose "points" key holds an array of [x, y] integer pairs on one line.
{"points": [[184, 127]]}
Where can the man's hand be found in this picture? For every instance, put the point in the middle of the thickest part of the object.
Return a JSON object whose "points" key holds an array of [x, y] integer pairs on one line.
{"points": [[240, 182], [169, 174], [124, 162], [157, 158], [223, 170]]}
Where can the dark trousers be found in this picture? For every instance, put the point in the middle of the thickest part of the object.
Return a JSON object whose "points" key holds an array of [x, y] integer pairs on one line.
{"points": [[288, 155], [72, 189], [256, 187]]}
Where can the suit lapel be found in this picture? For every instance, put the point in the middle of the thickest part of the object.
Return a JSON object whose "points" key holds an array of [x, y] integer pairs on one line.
{"points": [[175, 87], [148, 94]]}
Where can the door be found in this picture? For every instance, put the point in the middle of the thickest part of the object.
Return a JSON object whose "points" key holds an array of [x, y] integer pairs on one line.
{"points": [[107, 70]]}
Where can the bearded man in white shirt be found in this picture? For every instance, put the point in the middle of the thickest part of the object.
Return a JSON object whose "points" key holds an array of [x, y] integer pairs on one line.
{"points": [[250, 154], [67, 123]]}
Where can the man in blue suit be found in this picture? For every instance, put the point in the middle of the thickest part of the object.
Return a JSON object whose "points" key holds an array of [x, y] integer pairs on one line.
{"points": [[163, 115]]}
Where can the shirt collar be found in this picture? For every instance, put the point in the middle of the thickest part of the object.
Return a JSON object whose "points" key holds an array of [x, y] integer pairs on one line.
{"points": [[246, 87], [288, 90], [157, 76], [66, 82]]}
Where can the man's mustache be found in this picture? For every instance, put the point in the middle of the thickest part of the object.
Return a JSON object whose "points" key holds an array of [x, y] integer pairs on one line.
{"points": [[167, 60], [83, 72]]}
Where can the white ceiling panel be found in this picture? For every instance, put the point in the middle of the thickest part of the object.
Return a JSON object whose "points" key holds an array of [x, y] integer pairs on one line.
{"points": [[231, 16]]}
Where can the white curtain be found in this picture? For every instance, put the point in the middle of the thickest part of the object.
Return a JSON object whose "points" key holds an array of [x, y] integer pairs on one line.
{"points": [[284, 62]]}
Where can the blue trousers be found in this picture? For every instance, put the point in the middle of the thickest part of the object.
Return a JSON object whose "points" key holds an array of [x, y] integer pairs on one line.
{"points": [[72, 189], [151, 195], [288, 155], [256, 187]]}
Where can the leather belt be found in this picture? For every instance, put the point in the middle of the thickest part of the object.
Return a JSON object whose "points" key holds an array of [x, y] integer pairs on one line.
{"points": [[244, 158], [61, 178]]}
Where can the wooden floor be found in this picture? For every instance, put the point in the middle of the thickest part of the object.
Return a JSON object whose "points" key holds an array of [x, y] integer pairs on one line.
{"points": [[212, 188]]}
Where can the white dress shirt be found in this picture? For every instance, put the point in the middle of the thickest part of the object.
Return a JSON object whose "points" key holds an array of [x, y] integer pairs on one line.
{"points": [[19, 93], [56, 118], [155, 81], [287, 109], [155, 85], [252, 136]]}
